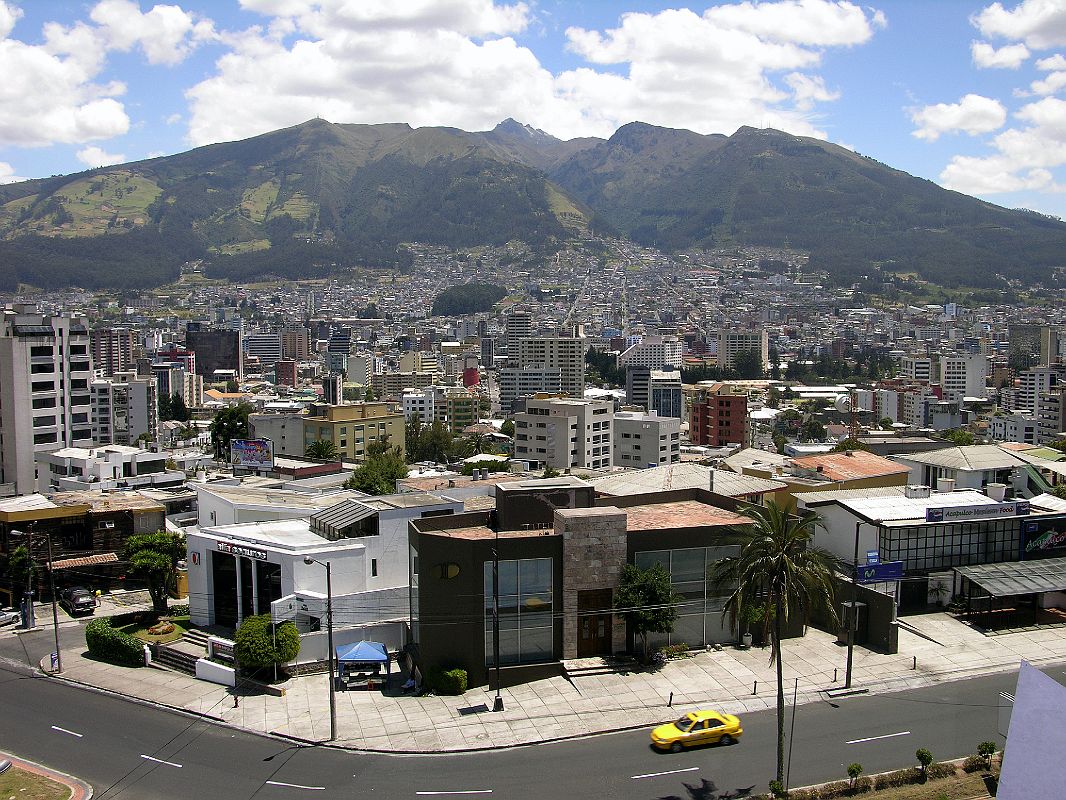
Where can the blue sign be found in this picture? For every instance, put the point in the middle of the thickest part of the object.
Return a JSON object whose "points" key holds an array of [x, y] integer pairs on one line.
{"points": [[872, 573], [873, 557]]}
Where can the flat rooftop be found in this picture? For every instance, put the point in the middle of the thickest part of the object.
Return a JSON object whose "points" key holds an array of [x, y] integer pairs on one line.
{"points": [[682, 514], [112, 501]]}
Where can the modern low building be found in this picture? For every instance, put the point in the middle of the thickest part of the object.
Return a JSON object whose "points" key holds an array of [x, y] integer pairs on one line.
{"points": [[971, 467], [645, 440], [719, 417], [353, 427], [113, 466]]}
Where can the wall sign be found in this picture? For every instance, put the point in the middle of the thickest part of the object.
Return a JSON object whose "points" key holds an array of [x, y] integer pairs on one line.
{"points": [[241, 550], [983, 511]]}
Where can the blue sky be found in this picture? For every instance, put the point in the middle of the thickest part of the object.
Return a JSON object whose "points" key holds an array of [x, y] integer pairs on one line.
{"points": [[967, 94]]}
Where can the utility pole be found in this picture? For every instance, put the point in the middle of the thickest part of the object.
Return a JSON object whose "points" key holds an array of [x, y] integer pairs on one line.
{"points": [[55, 610], [497, 704], [852, 620]]}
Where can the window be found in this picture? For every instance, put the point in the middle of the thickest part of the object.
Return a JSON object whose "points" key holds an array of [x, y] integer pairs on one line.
{"points": [[41, 422], [40, 369], [77, 350], [44, 438], [37, 351], [525, 611], [373, 568], [42, 386], [44, 402]]}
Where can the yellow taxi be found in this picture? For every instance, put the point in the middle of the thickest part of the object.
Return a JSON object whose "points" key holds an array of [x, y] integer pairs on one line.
{"points": [[697, 728]]}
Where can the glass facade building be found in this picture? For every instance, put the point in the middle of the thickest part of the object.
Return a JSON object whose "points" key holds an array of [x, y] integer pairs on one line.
{"points": [[526, 611]]}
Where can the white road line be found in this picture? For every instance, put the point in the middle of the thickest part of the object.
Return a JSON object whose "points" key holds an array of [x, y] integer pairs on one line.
{"points": [[160, 761], [464, 791], [296, 786], [668, 772], [875, 738], [64, 730]]}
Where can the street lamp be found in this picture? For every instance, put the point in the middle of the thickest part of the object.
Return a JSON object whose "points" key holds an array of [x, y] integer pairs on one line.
{"points": [[853, 620], [329, 636], [30, 621], [497, 704]]}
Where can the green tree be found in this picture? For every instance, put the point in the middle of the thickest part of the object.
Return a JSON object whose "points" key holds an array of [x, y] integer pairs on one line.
{"points": [[163, 406], [1058, 444], [1059, 491], [154, 557], [550, 472], [773, 398], [854, 771], [380, 470], [986, 750], [178, 410], [229, 423], [848, 444], [779, 569], [369, 396], [958, 436], [885, 423], [748, 364], [18, 568], [321, 450], [812, 430], [647, 601], [258, 643], [507, 429], [925, 758]]}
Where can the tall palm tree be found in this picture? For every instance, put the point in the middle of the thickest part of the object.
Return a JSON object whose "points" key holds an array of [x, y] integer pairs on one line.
{"points": [[780, 571], [321, 450]]}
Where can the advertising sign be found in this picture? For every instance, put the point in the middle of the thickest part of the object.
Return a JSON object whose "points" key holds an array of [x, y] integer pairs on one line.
{"points": [[873, 557], [982, 511], [872, 573], [1039, 544], [241, 550], [253, 453]]}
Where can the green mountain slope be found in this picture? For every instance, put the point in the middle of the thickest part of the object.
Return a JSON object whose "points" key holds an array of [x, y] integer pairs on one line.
{"points": [[309, 200]]}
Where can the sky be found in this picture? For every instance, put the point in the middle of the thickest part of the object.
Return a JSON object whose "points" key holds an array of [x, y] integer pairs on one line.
{"points": [[970, 95]]}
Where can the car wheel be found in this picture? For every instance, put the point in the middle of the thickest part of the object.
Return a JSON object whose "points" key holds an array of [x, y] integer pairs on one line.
{"points": [[726, 740], [675, 747]]}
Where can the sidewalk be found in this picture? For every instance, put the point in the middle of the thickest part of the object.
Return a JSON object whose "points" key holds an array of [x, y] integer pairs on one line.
{"points": [[559, 708], [79, 789]]}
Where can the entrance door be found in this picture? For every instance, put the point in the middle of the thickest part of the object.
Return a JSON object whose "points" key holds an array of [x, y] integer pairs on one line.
{"points": [[594, 629]]}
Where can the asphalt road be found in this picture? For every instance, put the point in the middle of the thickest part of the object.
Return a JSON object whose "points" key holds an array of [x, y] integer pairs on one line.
{"points": [[130, 750]]}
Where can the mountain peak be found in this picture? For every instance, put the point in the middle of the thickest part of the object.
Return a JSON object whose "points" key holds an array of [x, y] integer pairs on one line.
{"points": [[515, 128]]}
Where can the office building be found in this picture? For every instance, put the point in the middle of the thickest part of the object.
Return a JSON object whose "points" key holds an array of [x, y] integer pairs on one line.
{"points": [[216, 350], [419, 404], [332, 389], [112, 350], [45, 402], [645, 440], [354, 427], [731, 342], [638, 383], [657, 352], [963, 375], [517, 325], [124, 408], [916, 368], [564, 433], [557, 352], [518, 382], [264, 346], [285, 373], [719, 417], [665, 394], [295, 343]]}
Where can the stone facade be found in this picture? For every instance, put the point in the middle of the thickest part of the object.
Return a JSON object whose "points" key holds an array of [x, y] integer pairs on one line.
{"points": [[594, 551]]}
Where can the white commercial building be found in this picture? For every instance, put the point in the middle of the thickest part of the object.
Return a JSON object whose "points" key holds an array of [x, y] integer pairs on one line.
{"points": [[731, 342], [563, 433], [916, 368], [114, 466], [1021, 428], [527, 381], [657, 352], [963, 375], [124, 408], [646, 440], [45, 371], [556, 352], [419, 403]]}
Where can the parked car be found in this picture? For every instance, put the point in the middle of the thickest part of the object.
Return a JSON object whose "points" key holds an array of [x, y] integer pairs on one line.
{"points": [[77, 600], [697, 728], [9, 616]]}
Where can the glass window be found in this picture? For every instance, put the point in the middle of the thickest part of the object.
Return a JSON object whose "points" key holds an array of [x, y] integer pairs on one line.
{"points": [[525, 611], [688, 565]]}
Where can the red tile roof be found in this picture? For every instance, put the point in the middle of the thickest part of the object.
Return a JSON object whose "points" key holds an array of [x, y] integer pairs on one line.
{"points": [[849, 466]]}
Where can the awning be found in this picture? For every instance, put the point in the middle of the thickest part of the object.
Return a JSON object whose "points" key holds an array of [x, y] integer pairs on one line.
{"points": [[363, 653], [1018, 577], [85, 561]]}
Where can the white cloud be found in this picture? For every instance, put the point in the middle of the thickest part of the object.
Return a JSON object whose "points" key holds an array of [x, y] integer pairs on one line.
{"points": [[1049, 85], [1040, 24], [7, 174], [93, 156], [1009, 56], [173, 119], [973, 114], [9, 15], [166, 34], [453, 62], [1052, 62]]}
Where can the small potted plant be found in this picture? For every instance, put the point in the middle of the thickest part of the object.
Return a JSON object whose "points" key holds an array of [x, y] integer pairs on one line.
{"points": [[750, 617]]}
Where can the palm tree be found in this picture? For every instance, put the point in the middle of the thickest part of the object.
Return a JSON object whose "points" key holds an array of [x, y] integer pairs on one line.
{"points": [[779, 570], [321, 450]]}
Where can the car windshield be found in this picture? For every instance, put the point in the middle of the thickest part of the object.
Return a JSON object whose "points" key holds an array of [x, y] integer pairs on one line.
{"points": [[684, 723]]}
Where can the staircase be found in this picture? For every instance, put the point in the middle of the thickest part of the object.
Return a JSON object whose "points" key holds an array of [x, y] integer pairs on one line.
{"points": [[195, 638], [597, 665], [182, 655]]}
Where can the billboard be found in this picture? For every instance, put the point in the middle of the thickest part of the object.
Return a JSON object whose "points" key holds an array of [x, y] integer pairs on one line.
{"points": [[252, 453], [1015, 508]]}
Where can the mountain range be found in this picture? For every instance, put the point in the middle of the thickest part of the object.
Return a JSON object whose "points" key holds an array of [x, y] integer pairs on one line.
{"points": [[320, 197]]}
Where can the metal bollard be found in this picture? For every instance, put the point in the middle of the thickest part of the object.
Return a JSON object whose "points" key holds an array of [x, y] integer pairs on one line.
{"points": [[671, 701], [834, 675], [914, 662], [755, 688]]}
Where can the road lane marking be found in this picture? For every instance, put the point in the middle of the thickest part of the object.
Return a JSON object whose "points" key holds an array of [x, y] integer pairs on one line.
{"points": [[668, 772], [463, 791], [160, 761], [875, 738], [64, 730], [296, 786]]}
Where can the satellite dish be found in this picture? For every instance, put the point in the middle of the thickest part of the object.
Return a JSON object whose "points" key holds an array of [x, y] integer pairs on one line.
{"points": [[843, 404]]}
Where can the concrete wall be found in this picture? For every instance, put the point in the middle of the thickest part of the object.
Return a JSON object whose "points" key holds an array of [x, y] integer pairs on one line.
{"points": [[315, 646]]}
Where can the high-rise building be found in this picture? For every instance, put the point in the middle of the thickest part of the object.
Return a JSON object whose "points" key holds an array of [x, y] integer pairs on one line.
{"points": [[916, 368], [731, 342], [1052, 345], [419, 404], [124, 408], [1051, 414], [516, 382], [565, 433], [638, 383], [665, 393], [657, 352], [295, 343], [359, 367], [285, 372], [112, 350], [45, 402], [557, 352], [517, 325], [332, 389], [719, 417], [216, 350], [264, 346], [963, 375]]}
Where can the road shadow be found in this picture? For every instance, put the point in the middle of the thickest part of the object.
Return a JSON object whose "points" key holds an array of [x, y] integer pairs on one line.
{"points": [[707, 790]]}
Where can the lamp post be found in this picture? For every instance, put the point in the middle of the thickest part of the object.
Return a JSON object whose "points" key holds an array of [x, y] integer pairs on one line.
{"points": [[55, 611], [853, 611], [329, 637], [497, 704], [30, 615]]}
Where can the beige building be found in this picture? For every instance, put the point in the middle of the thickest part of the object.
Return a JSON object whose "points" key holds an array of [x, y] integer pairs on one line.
{"points": [[731, 342], [564, 433], [354, 427], [556, 352]]}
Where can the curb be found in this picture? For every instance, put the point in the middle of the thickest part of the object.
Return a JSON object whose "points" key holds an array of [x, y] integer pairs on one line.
{"points": [[79, 789]]}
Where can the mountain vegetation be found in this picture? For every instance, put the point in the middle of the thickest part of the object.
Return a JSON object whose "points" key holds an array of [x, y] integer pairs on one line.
{"points": [[468, 298], [319, 198]]}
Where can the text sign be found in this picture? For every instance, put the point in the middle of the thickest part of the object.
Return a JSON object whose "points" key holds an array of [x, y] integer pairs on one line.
{"points": [[873, 557], [254, 453], [241, 550], [982, 511], [873, 573]]}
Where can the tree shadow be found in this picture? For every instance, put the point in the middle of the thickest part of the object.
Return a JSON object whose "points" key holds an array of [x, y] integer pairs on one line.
{"points": [[707, 790]]}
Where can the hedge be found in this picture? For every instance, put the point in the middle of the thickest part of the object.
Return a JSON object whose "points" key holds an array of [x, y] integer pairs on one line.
{"points": [[255, 646], [451, 681], [113, 646]]}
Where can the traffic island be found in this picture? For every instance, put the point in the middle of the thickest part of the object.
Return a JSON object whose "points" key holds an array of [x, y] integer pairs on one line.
{"points": [[27, 780]]}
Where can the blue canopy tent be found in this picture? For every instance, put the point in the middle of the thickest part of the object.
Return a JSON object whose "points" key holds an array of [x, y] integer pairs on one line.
{"points": [[361, 661]]}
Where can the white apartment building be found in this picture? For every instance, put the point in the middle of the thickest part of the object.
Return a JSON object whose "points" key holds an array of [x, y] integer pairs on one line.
{"points": [[531, 380], [646, 440], [557, 352], [420, 404], [112, 467], [1051, 415], [731, 342], [45, 371], [1020, 428], [916, 368], [124, 408], [963, 375], [518, 325], [565, 433], [1032, 383], [359, 368], [656, 352]]}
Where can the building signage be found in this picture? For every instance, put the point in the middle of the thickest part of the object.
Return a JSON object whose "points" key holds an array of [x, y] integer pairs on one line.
{"points": [[983, 511], [1048, 540], [253, 453], [873, 557], [241, 550], [872, 573]]}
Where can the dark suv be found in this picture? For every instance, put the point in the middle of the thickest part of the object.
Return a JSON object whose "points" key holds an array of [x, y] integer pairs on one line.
{"points": [[77, 600]]}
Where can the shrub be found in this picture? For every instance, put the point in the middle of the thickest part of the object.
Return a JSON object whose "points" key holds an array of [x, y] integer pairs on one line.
{"points": [[986, 750], [835, 789], [777, 789], [679, 650], [863, 785], [941, 770], [854, 771], [113, 646], [447, 681], [901, 777], [179, 610], [925, 758], [258, 643], [974, 764]]}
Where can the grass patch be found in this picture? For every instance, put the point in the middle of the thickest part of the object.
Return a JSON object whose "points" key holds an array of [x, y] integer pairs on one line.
{"points": [[140, 631], [29, 786]]}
